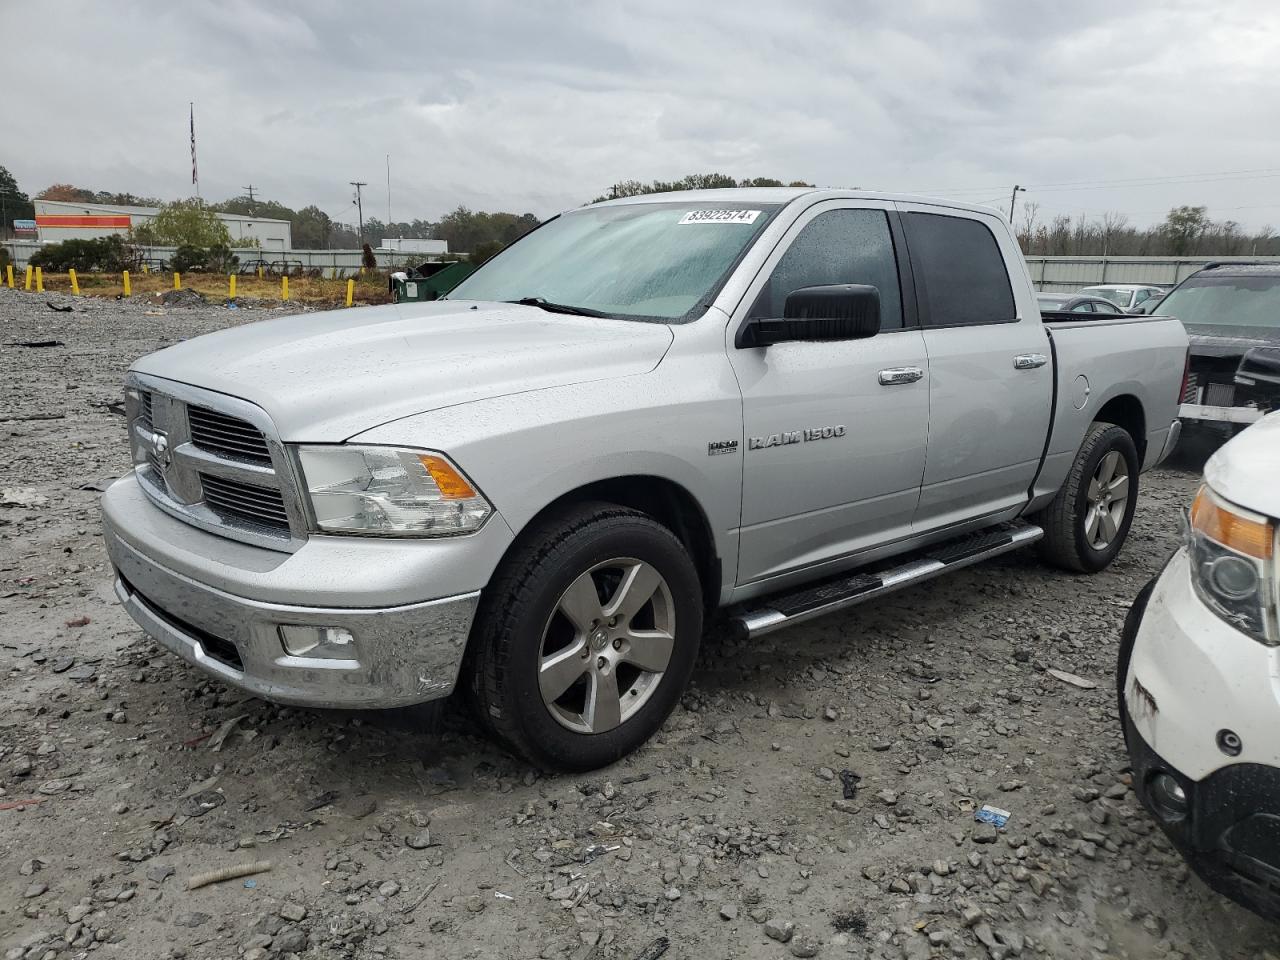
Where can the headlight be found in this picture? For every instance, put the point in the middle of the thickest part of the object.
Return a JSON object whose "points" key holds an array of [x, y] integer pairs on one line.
{"points": [[389, 492], [1232, 565]]}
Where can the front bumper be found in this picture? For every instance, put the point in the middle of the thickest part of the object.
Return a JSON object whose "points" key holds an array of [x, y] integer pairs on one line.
{"points": [[1185, 676], [1230, 832], [225, 618]]}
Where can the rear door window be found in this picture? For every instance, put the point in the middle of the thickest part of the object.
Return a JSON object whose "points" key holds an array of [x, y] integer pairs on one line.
{"points": [[838, 246], [961, 278]]}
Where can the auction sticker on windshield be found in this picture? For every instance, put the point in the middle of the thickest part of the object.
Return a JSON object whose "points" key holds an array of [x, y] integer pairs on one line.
{"points": [[720, 216]]}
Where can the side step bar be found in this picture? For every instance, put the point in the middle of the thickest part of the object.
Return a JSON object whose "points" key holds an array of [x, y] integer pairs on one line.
{"points": [[808, 602]]}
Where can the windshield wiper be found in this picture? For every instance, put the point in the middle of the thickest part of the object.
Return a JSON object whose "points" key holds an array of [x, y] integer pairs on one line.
{"points": [[544, 304]]}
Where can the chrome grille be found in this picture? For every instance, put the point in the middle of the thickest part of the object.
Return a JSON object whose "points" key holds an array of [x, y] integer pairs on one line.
{"points": [[1220, 395], [227, 435], [214, 462], [245, 501]]}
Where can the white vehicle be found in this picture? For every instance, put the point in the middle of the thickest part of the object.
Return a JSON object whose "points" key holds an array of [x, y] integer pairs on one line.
{"points": [[1199, 678], [1129, 297]]}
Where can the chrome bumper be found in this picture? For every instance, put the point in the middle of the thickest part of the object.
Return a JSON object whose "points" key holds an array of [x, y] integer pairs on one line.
{"points": [[1170, 441], [400, 654], [1200, 411]]}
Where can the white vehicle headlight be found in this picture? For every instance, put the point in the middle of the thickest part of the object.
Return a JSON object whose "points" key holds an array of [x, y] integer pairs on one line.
{"points": [[1232, 565], [389, 492]]}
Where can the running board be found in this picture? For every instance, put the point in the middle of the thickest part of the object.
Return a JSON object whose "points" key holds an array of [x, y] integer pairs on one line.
{"points": [[806, 603]]}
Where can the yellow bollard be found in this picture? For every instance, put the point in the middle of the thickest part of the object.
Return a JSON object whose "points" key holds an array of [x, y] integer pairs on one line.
{"points": [[75, 286], [233, 286], [284, 288], [8, 274], [259, 271], [128, 288], [27, 285], [39, 281], [145, 271], [351, 291], [177, 280]]}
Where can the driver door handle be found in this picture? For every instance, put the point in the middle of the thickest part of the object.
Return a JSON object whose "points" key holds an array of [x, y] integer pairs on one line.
{"points": [[895, 375], [1029, 361]]}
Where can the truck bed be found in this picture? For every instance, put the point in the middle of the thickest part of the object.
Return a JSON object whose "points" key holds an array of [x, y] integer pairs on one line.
{"points": [[1103, 358]]}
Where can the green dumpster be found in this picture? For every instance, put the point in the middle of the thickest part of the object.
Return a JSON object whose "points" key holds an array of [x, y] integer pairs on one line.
{"points": [[428, 281]]}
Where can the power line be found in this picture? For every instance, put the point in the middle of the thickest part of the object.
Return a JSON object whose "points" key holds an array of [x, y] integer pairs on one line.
{"points": [[1208, 177]]}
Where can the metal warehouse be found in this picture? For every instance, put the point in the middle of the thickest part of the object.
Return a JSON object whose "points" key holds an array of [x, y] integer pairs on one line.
{"points": [[63, 220]]}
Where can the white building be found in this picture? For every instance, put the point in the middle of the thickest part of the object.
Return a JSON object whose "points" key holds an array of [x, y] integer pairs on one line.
{"points": [[412, 245], [58, 220]]}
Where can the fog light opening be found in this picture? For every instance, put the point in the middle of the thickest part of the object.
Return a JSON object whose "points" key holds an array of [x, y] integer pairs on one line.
{"points": [[1229, 742], [312, 641], [1167, 796]]}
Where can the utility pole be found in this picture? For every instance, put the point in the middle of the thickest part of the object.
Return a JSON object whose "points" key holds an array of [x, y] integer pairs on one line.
{"points": [[249, 190], [1013, 198], [359, 204]]}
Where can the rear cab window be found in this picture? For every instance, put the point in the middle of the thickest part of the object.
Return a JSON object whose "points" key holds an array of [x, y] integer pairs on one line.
{"points": [[961, 276]]}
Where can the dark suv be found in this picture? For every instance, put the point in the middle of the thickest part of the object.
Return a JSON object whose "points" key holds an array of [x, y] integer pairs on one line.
{"points": [[1232, 312]]}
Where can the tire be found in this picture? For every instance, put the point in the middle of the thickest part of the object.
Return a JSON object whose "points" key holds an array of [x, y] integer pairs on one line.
{"points": [[544, 623], [1080, 533]]}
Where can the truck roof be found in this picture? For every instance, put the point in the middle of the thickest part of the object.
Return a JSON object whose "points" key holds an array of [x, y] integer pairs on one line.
{"points": [[788, 194]]}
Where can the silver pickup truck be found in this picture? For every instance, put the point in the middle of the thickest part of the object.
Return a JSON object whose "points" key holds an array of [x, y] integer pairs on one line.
{"points": [[773, 402]]}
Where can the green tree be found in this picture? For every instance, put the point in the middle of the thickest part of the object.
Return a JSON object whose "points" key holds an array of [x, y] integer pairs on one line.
{"points": [[311, 228], [14, 204], [693, 181], [1183, 228], [183, 223]]}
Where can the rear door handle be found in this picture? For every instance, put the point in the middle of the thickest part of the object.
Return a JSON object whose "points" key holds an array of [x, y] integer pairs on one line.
{"points": [[895, 375], [1029, 361]]}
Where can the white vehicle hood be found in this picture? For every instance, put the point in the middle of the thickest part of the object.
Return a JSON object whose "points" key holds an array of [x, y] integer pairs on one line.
{"points": [[326, 376], [1246, 469]]}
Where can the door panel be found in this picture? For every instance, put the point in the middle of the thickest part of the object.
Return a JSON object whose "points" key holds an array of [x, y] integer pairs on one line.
{"points": [[806, 501], [989, 420], [990, 367], [833, 456]]}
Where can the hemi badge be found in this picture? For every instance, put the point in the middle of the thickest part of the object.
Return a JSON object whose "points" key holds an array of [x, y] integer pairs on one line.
{"points": [[717, 447]]}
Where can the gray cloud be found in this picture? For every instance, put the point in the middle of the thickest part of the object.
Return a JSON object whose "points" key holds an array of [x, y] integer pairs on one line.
{"points": [[540, 105]]}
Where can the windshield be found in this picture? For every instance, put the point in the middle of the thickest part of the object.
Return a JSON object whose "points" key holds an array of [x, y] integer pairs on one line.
{"points": [[1119, 297], [656, 261], [1226, 302]]}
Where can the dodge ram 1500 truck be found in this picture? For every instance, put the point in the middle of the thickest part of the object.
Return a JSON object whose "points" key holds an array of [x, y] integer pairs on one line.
{"points": [[776, 402]]}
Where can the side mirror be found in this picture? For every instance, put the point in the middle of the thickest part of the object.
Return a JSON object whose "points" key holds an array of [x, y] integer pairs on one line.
{"points": [[841, 311]]}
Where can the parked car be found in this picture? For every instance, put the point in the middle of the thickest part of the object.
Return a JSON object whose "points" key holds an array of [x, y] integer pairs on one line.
{"points": [[1198, 673], [1150, 305], [1074, 303], [777, 401], [1127, 296], [1232, 312]]}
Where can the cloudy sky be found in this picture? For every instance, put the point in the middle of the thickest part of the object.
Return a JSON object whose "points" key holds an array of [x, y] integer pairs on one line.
{"points": [[1097, 105]]}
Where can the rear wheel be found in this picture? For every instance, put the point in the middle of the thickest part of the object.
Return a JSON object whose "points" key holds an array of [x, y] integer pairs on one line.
{"points": [[586, 637], [1087, 523]]}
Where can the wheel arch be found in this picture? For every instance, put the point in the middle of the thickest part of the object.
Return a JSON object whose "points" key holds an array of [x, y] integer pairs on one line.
{"points": [[667, 502], [1126, 411]]}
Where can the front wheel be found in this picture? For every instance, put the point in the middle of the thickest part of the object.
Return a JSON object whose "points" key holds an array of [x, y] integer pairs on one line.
{"points": [[1087, 522], [586, 637]]}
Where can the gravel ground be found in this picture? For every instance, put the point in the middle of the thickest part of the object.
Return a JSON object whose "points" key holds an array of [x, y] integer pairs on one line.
{"points": [[728, 836]]}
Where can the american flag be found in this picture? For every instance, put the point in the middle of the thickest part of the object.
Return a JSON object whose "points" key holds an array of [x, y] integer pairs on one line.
{"points": [[194, 177]]}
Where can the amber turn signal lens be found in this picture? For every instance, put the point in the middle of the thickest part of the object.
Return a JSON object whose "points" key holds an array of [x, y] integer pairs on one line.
{"points": [[1253, 538], [453, 486]]}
